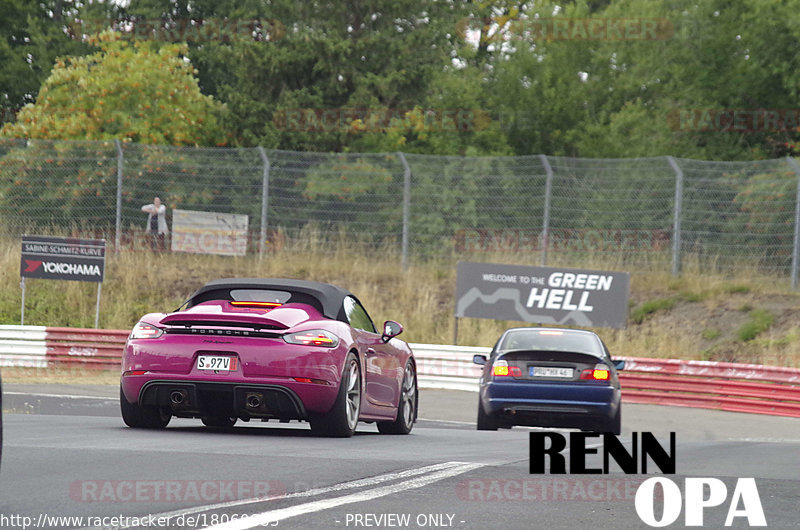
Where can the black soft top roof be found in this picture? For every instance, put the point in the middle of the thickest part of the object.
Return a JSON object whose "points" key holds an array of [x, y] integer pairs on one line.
{"points": [[330, 298]]}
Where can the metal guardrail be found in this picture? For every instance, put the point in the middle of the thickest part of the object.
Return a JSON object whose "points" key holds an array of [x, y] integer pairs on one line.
{"points": [[43, 347], [447, 367], [732, 387]]}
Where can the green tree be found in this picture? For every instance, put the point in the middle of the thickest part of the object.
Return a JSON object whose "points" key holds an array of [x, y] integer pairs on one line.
{"points": [[58, 185], [135, 92], [129, 91], [457, 117], [32, 35], [719, 56], [541, 84], [359, 55]]}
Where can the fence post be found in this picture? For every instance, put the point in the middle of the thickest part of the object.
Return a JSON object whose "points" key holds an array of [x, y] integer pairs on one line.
{"points": [[796, 246], [548, 190], [118, 224], [406, 207], [676, 223], [262, 243]]}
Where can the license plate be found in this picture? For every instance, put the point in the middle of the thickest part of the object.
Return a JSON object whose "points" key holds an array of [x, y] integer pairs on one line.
{"points": [[550, 371], [217, 363]]}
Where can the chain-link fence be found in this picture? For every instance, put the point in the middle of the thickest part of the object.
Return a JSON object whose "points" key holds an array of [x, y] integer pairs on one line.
{"points": [[635, 213]]}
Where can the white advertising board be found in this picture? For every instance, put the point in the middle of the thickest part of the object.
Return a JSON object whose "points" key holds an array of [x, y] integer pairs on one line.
{"points": [[209, 233]]}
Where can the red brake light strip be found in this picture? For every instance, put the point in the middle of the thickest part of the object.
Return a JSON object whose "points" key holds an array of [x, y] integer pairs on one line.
{"points": [[271, 305]]}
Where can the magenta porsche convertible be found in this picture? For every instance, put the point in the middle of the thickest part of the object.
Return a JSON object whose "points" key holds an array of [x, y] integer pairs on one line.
{"points": [[260, 349]]}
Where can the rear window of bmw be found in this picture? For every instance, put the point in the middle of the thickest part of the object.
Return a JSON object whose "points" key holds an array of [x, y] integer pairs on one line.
{"points": [[552, 340]]}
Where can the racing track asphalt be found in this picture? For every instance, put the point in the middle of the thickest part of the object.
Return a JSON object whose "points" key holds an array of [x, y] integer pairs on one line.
{"points": [[67, 453]]}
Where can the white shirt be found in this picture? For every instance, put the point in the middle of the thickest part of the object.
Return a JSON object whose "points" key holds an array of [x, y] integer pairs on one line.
{"points": [[162, 217]]}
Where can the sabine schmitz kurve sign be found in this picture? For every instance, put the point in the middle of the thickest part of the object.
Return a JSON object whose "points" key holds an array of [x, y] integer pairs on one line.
{"points": [[63, 258], [542, 295]]}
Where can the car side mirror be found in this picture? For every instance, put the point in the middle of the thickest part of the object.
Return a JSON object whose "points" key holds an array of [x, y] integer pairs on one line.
{"points": [[391, 329], [479, 359], [619, 364]]}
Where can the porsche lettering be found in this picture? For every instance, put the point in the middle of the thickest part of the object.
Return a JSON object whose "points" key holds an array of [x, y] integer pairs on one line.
{"points": [[220, 332]]}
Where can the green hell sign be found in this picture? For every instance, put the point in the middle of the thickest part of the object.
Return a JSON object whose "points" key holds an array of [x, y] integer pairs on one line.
{"points": [[542, 295]]}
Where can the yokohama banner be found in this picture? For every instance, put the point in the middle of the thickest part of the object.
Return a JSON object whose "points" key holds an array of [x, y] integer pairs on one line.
{"points": [[61, 258], [542, 295]]}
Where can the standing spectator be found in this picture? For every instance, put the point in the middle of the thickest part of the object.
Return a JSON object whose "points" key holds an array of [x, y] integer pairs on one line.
{"points": [[156, 223]]}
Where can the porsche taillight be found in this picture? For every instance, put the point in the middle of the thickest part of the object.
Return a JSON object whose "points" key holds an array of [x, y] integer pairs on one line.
{"points": [[313, 337], [257, 305], [143, 330]]}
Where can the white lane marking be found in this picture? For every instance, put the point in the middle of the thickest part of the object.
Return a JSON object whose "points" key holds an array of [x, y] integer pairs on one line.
{"points": [[765, 440], [370, 481], [68, 396], [518, 427], [265, 518], [449, 421]]}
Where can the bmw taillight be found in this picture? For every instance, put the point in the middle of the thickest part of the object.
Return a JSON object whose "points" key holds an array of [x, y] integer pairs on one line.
{"points": [[500, 368], [313, 337], [143, 330], [600, 372]]}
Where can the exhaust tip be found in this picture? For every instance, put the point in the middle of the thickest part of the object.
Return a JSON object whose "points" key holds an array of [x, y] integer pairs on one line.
{"points": [[177, 397], [254, 401]]}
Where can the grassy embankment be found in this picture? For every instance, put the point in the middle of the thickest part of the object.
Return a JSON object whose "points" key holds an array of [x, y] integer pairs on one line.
{"points": [[746, 318]]}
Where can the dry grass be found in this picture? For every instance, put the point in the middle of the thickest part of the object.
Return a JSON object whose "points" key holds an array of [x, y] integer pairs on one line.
{"points": [[422, 298]]}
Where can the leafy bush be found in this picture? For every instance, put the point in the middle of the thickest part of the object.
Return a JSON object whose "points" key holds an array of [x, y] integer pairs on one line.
{"points": [[660, 304], [760, 321]]}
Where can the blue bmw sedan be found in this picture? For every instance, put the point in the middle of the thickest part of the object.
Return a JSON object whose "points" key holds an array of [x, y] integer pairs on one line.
{"points": [[549, 377]]}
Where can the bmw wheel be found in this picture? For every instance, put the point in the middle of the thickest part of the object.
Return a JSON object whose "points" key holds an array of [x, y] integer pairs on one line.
{"points": [[486, 422], [614, 426]]}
